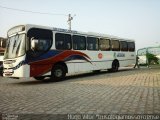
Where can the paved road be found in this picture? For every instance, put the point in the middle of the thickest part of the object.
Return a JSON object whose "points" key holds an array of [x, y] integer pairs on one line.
{"points": [[129, 91]]}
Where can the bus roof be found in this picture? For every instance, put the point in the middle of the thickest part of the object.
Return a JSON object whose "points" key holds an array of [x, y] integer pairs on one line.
{"points": [[28, 26]]}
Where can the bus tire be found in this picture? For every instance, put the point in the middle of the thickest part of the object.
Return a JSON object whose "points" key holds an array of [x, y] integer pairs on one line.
{"points": [[115, 66], [58, 73], [40, 78]]}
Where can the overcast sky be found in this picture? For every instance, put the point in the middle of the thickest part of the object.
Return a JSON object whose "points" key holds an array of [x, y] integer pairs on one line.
{"points": [[133, 19]]}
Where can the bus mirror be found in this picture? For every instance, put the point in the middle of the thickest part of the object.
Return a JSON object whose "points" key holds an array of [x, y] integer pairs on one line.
{"points": [[34, 43]]}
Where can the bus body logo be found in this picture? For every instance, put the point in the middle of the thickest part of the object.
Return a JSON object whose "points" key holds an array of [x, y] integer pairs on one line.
{"points": [[120, 55], [100, 56]]}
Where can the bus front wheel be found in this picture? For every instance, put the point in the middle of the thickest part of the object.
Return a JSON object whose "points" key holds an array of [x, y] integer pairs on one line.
{"points": [[58, 73]]}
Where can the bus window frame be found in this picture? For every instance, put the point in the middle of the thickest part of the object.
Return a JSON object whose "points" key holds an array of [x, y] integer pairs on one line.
{"points": [[106, 40], [131, 48], [123, 48], [79, 36], [117, 49], [28, 43], [87, 43], [71, 43]]}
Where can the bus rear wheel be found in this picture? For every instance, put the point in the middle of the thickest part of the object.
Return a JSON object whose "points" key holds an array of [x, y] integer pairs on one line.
{"points": [[58, 73], [115, 66]]}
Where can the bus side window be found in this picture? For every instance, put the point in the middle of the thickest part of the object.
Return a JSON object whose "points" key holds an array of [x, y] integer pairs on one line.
{"points": [[123, 46], [79, 42], [131, 46], [115, 45], [42, 41], [43, 45], [104, 44], [92, 43], [68, 42], [63, 41]]}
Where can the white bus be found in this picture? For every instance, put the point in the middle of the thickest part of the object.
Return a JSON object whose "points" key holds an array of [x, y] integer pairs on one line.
{"points": [[38, 51]]}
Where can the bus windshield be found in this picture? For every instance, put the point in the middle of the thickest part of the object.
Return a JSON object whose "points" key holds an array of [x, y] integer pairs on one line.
{"points": [[15, 46]]}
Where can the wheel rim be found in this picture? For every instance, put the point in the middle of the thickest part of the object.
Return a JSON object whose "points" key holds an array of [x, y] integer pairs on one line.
{"points": [[58, 72]]}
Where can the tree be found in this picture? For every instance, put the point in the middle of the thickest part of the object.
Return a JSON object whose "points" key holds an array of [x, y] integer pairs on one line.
{"points": [[152, 59]]}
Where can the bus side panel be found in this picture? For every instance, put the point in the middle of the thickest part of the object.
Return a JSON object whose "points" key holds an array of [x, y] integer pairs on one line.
{"points": [[99, 60], [128, 59], [71, 67]]}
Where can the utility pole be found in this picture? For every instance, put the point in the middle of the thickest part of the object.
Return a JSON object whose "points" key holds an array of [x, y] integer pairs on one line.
{"points": [[70, 18]]}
